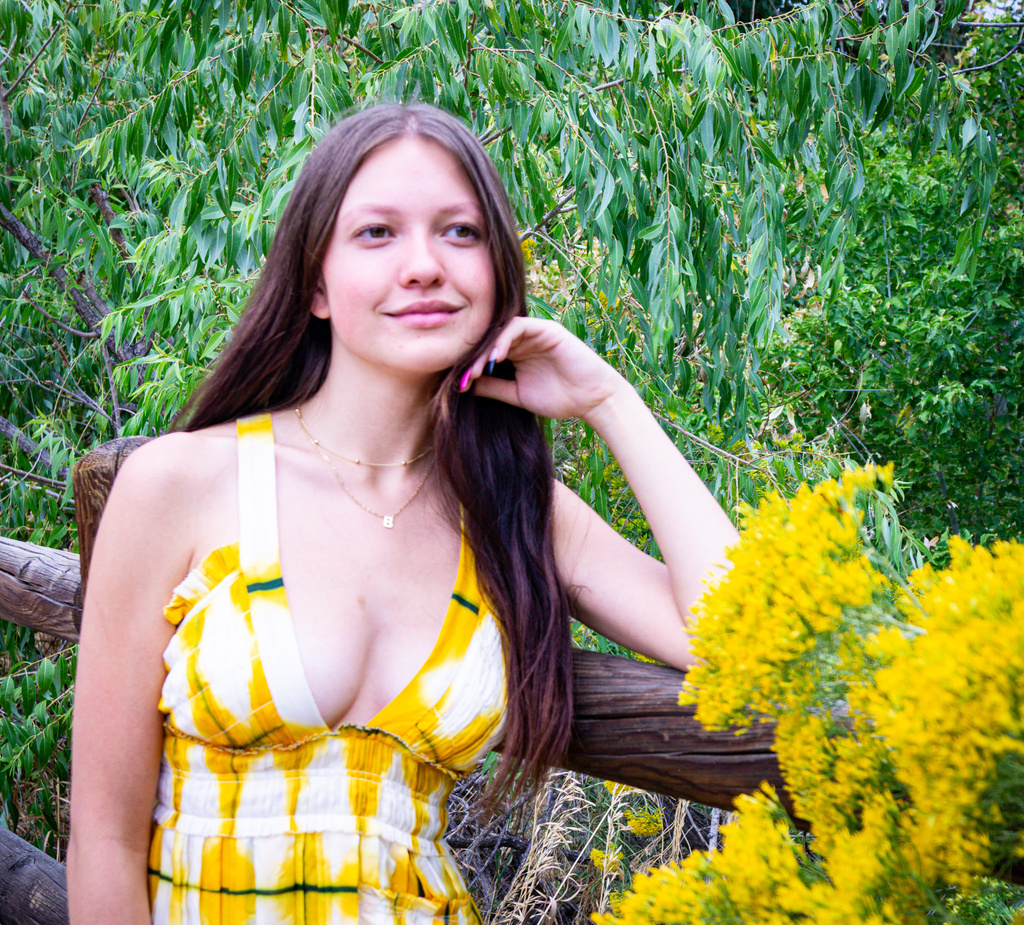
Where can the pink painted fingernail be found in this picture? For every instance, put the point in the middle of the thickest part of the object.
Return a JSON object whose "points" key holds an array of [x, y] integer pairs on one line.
{"points": [[464, 381]]}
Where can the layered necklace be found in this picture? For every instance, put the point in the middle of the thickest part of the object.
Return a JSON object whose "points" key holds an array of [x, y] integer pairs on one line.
{"points": [[388, 520]]}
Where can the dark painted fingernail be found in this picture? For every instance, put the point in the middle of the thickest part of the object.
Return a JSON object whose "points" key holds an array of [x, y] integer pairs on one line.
{"points": [[489, 368]]}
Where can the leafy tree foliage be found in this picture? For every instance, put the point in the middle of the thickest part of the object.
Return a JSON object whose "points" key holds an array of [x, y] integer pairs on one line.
{"points": [[920, 362], [651, 156], [919, 365]]}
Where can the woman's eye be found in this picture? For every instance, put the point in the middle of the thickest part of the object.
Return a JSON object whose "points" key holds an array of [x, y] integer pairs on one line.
{"points": [[464, 232], [373, 232]]}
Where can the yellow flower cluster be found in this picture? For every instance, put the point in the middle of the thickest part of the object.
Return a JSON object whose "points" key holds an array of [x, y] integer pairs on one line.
{"points": [[796, 598], [645, 822], [900, 723], [764, 875], [608, 862], [950, 706], [529, 246]]}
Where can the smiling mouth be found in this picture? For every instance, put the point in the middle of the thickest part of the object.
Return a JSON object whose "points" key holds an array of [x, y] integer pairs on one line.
{"points": [[426, 315], [431, 307]]}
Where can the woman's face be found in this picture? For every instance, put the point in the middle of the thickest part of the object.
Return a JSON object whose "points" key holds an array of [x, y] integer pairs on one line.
{"points": [[408, 282]]}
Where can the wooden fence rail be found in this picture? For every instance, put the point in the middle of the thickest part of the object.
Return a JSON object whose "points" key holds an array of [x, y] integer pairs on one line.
{"points": [[628, 726]]}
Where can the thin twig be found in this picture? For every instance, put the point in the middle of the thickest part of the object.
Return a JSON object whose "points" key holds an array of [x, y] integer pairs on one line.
{"points": [[60, 324], [29, 447], [95, 93], [704, 443], [494, 136], [115, 404], [991, 25], [5, 115], [90, 305], [42, 48], [557, 210], [366, 51], [984, 67], [469, 50], [610, 84], [31, 476]]}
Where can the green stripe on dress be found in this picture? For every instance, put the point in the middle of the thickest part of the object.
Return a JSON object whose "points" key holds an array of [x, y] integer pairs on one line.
{"points": [[255, 891], [271, 585], [469, 605]]}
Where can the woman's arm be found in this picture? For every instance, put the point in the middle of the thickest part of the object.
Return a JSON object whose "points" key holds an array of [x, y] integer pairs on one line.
{"points": [[141, 552], [621, 592]]}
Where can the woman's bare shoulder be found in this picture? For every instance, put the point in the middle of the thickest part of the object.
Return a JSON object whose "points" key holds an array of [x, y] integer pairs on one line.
{"points": [[178, 468]]}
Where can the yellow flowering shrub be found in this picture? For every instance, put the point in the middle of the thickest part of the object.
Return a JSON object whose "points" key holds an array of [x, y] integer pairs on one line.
{"points": [[644, 822], [799, 594], [950, 705], [898, 711]]}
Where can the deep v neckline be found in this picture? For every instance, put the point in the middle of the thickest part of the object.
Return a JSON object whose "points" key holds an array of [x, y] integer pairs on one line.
{"points": [[286, 648], [395, 703]]}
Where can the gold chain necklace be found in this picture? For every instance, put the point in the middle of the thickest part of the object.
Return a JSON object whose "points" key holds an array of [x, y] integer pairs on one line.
{"points": [[387, 519], [351, 459]]}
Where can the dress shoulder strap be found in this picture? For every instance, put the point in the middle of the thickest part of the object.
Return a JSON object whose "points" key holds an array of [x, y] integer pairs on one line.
{"points": [[257, 502]]}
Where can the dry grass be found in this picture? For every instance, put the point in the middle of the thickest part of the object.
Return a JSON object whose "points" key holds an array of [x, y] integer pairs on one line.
{"points": [[534, 863]]}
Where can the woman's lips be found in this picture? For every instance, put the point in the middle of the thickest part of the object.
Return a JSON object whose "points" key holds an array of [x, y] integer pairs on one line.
{"points": [[427, 314]]}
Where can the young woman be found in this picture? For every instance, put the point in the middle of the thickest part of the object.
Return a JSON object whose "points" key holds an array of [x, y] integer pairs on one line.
{"points": [[351, 574]]}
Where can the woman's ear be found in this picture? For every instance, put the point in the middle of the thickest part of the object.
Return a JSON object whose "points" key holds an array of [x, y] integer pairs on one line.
{"points": [[319, 306]]}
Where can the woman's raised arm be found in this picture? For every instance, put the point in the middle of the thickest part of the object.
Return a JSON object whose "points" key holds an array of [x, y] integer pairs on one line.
{"points": [[621, 592]]}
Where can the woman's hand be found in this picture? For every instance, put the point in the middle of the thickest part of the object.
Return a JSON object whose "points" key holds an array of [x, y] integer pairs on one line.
{"points": [[557, 375]]}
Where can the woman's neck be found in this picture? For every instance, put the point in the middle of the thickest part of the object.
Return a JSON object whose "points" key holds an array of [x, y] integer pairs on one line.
{"points": [[376, 419]]}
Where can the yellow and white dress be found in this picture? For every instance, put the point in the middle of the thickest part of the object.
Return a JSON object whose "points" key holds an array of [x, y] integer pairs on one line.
{"points": [[266, 815]]}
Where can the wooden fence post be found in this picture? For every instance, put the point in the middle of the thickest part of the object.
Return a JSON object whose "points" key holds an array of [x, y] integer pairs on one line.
{"points": [[33, 886]]}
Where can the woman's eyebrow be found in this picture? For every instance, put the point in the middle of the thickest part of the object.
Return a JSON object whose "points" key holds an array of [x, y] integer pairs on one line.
{"points": [[390, 211]]}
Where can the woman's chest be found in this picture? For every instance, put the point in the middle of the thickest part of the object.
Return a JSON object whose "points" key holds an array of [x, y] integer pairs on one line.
{"points": [[367, 608]]}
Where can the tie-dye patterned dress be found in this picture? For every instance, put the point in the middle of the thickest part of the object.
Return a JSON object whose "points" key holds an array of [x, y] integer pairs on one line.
{"points": [[266, 815]]}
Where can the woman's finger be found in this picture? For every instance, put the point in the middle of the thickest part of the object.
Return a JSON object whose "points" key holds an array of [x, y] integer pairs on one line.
{"points": [[504, 390]]}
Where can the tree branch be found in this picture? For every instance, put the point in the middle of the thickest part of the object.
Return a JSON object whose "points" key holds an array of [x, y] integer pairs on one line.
{"points": [[60, 324], [558, 209], [704, 443], [114, 403], [102, 200], [29, 447], [366, 51], [991, 25], [95, 93], [984, 67], [494, 136], [87, 301], [32, 63], [32, 477], [5, 114]]}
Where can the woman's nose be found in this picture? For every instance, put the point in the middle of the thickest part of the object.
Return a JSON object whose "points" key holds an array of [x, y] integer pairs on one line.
{"points": [[422, 264]]}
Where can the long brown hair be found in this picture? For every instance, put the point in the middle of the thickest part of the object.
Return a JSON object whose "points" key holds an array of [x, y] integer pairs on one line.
{"points": [[494, 462]]}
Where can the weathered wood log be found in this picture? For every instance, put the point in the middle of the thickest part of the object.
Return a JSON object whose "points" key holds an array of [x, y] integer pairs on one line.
{"points": [[33, 886], [628, 724], [628, 727], [91, 479], [40, 588]]}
